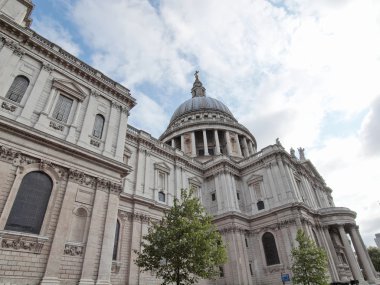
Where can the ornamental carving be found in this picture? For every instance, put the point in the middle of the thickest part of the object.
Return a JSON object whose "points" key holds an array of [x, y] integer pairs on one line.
{"points": [[233, 229], [73, 250], [56, 126], [115, 266], [115, 188], [8, 154], [21, 244], [15, 46], [48, 67], [138, 217], [82, 178], [8, 107], [95, 143]]}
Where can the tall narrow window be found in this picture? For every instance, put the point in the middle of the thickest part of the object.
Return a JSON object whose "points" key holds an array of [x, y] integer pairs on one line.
{"points": [[29, 207], [116, 243], [18, 88], [62, 109], [161, 196], [270, 249], [98, 126]]}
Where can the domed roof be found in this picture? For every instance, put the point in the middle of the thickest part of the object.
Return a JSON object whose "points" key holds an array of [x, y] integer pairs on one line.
{"points": [[197, 104]]}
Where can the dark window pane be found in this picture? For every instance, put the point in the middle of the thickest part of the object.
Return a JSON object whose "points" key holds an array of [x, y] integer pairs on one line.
{"points": [[28, 210], [18, 88], [270, 249], [260, 205], [116, 242], [213, 197], [62, 108], [161, 196]]}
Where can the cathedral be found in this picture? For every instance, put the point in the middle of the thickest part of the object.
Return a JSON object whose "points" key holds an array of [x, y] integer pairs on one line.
{"points": [[80, 187]]}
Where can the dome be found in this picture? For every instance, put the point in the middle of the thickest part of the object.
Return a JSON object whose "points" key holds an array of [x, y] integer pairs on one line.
{"points": [[197, 104]]}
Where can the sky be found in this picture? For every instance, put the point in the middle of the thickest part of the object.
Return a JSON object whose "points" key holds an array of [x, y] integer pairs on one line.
{"points": [[305, 71]]}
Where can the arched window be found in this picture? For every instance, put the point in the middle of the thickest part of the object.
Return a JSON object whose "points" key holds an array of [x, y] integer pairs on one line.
{"points": [[161, 196], [260, 205], [29, 207], [116, 243], [270, 249], [98, 126], [18, 88]]}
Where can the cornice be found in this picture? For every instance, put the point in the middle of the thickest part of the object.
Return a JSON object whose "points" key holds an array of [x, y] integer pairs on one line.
{"points": [[30, 40]]}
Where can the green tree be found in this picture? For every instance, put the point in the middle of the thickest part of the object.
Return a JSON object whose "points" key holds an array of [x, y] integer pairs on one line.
{"points": [[374, 254], [309, 262], [184, 246]]}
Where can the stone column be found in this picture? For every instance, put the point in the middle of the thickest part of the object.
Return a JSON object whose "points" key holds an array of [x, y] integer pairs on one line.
{"points": [[104, 273], [360, 251], [228, 141], [238, 145], [32, 99], [182, 143], [205, 144], [250, 148], [88, 122], [173, 142], [51, 275], [245, 147], [123, 125], [92, 246], [111, 129], [331, 254], [350, 254], [217, 143], [193, 145]]}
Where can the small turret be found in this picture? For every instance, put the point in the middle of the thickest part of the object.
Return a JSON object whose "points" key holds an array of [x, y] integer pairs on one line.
{"points": [[198, 90]]}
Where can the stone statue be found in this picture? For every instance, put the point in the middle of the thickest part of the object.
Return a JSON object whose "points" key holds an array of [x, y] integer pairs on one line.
{"points": [[301, 152], [196, 75], [292, 153], [278, 142]]}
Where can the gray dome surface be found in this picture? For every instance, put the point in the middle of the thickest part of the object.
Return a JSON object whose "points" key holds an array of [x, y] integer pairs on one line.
{"points": [[200, 104]]}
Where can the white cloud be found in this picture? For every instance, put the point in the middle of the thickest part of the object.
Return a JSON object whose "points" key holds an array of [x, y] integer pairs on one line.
{"points": [[55, 32], [282, 70]]}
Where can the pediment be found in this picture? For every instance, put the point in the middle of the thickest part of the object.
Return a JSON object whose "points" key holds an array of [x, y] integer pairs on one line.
{"points": [[70, 88], [254, 178], [195, 180], [162, 166]]}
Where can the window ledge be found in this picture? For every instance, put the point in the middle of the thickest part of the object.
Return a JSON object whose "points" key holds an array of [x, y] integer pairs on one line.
{"points": [[274, 268], [19, 241]]}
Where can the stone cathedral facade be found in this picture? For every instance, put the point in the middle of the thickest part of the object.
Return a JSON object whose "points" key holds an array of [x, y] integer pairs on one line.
{"points": [[79, 186]]}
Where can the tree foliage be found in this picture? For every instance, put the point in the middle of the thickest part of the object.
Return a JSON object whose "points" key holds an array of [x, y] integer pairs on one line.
{"points": [[184, 246], [374, 254], [309, 262]]}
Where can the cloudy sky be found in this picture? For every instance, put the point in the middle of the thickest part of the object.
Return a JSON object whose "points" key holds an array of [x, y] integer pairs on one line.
{"points": [[305, 71]]}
